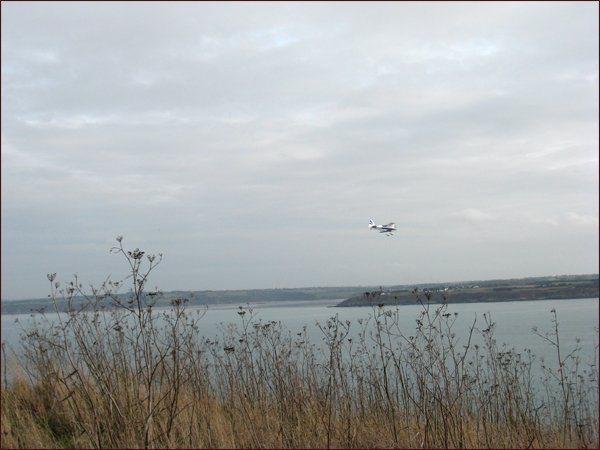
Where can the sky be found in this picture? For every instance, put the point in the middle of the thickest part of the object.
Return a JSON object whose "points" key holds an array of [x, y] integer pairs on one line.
{"points": [[251, 143]]}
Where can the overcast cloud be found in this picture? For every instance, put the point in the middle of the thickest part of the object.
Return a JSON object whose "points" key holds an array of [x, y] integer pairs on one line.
{"points": [[250, 143]]}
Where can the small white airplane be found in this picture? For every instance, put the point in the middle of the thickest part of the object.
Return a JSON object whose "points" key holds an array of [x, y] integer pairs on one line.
{"points": [[387, 229]]}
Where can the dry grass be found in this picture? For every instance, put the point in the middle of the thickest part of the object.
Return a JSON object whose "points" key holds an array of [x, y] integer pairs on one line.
{"points": [[131, 378], [29, 421]]}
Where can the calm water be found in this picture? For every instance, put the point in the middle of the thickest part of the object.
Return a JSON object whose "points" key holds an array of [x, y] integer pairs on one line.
{"points": [[577, 318]]}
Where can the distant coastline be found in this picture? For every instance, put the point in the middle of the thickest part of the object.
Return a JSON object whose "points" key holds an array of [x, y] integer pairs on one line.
{"points": [[533, 288], [547, 288], [515, 293]]}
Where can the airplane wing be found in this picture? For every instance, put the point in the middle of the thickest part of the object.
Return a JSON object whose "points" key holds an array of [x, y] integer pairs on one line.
{"points": [[391, 224]]}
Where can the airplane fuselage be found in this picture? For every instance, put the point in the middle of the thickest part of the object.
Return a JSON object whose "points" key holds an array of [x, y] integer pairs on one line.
{"points": [[388, 229]]}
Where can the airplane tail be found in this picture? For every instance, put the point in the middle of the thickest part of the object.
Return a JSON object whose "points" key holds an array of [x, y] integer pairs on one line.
{"points": [[371, 224]]}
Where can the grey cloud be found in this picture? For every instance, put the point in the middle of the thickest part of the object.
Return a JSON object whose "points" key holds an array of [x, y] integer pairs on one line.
{"points": [[260, 138]]}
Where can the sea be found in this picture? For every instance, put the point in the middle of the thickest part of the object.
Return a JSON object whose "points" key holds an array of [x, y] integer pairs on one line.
{"points": [[577, 322]]}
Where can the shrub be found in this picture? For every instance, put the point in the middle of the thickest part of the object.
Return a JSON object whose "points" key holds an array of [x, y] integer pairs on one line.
{"points": [[114, 372]]}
